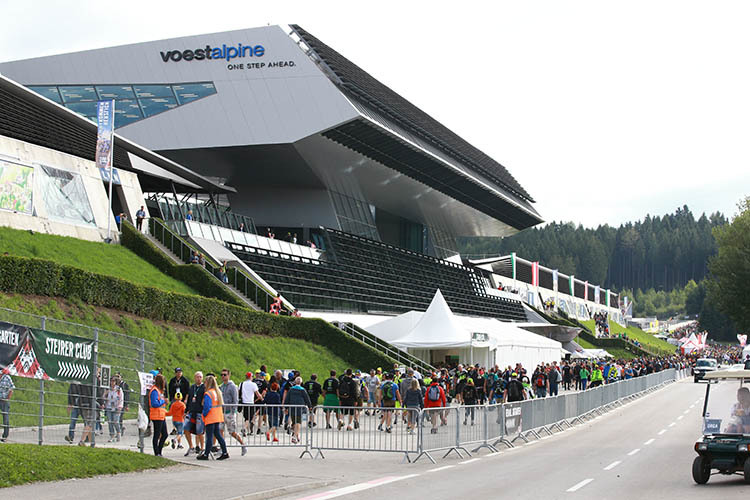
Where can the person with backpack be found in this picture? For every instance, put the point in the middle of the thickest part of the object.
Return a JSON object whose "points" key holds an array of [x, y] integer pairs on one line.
{"points": [[434, 398], [469, 396], [314, 390], [360, 395], [540, 381], [497, 391], [331, 398], [567, 376], [347, 397], [388, 397], [555, 377], [514, 390]]}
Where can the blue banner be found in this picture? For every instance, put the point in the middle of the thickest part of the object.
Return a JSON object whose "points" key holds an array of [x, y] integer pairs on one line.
{"points": [[105, 119]]}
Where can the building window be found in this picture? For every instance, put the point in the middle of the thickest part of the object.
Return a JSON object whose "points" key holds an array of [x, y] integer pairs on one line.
{"points": [[132, 102]]}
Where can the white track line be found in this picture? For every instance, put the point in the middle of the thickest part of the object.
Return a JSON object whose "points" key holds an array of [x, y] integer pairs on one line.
{"points": [[441, 468], [613, 465], [672, 424], [357, 487], [680, 417], [579, 485], [662, 431], [634, 452], [495, 454], [686, 412], [649, 442], [470, 461]]}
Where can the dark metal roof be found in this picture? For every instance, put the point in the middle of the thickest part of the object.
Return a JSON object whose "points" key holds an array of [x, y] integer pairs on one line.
{"points": [[373, 93], [29, 117]]}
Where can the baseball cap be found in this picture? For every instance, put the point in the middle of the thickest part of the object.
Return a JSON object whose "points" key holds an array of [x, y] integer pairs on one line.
{"points": [[177, 370], [248, 374]]}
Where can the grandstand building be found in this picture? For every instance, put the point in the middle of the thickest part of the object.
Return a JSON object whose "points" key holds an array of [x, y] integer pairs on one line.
{"points": [[305, 137], [228, 137]]}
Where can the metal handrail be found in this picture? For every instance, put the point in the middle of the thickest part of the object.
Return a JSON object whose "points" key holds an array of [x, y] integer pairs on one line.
{"points": [[378, 344]]}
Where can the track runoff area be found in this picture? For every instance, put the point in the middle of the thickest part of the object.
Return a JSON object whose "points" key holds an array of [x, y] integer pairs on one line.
{"points": [[644, 448]]}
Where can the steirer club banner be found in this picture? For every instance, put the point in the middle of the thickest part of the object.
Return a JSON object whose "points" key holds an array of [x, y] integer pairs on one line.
{"points": [[34, 353]]}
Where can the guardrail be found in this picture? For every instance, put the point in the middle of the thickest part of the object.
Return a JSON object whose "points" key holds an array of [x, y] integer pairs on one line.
{"points": [[390, 350]]}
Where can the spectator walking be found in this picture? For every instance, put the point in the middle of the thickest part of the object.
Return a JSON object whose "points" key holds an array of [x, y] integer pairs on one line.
{"points": [[295, 398], [177, 412], [273, 410], [113, 403], [514, 390], [74, 409], [540, 383], [231, 397], [177, 384], [6, 392], [373, 384], [248, 395], [469, 396], [314, 390], [434, 398], [157, 413], [554, 378], [213, 415], [413, 402], [583, 376], [125, 401], [194, 424], [139, 216], [331, 397], [389, 395], [347, 397], [567, 376]]}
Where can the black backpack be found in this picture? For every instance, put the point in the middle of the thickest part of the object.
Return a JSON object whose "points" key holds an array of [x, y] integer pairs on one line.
{"points": [[345, 387], [514, 390], [388, 391]]}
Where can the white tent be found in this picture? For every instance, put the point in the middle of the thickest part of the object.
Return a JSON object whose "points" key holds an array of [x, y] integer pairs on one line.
{"points": [[438, 333]]}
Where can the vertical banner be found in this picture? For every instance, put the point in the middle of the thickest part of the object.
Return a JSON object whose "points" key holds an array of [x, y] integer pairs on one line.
{"points": [[535, 273], [513, 264], [607, 297], [554, 280], [585, 290], [105, 120], [513, 424], [597, 294], [572, 285]]}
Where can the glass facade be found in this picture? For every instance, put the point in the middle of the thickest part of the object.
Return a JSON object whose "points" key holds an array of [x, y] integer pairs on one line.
{"points": [[132, 102]]}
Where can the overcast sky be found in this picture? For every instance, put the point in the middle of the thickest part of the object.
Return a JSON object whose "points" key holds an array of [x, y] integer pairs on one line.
{"points": [[603, 111]]}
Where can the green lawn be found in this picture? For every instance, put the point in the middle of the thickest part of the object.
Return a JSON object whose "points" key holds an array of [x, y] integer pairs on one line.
{"points": [[28, 463], [649, 342], [191, 349], [112, 260], [585, 344]]}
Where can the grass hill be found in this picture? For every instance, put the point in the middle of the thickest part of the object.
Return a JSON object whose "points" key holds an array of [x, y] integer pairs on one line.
{"points": [[100, 258], [176, 345], [651, 343]]}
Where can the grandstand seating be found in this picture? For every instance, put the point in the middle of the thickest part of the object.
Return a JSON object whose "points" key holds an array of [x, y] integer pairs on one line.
{"points": [[356, 274]]}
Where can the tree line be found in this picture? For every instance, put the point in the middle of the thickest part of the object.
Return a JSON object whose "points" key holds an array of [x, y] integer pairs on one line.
{"points": [[660, 253]]}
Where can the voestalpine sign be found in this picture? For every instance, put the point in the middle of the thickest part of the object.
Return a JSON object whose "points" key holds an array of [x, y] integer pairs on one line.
{"points": [[207, 53], [237, 57], [32, 353]]}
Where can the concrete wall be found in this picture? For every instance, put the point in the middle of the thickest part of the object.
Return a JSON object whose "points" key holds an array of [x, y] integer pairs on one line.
{"points": [[32, 155]]}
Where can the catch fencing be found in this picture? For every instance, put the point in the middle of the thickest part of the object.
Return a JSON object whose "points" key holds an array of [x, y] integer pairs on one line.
{"points": [[61, 383]]}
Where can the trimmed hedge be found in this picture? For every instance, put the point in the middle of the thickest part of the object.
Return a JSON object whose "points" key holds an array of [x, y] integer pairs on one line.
{"points": [[43, 277], [196, 277]]}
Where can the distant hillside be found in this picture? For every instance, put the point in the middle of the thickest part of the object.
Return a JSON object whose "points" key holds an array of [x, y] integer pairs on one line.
{"points": [[657, 252]]}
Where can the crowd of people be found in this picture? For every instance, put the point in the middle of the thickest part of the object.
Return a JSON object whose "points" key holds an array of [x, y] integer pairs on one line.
{"points": [[267, 403]]}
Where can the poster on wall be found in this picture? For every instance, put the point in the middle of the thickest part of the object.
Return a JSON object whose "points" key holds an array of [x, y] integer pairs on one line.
{"points": [[32, 353], [16, 187]]}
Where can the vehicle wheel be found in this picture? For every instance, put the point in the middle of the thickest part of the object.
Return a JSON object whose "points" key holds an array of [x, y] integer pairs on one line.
{"points": [[702, 469], [746, 470]]}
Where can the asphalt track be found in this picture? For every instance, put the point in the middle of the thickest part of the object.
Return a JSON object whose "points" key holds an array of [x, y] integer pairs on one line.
{"points": [[641, 450]]}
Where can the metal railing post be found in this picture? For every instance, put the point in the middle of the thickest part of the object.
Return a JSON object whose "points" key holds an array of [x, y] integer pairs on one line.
{"points": [[94, 389], [41, 411]]}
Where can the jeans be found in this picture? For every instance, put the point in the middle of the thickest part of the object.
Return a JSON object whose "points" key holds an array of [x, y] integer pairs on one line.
{"points": [[553, 389], [160, 435], [469, 410], [212, 431], [75, 412], [5, 410], [541, 392], [113, 419], [583, 384]]}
